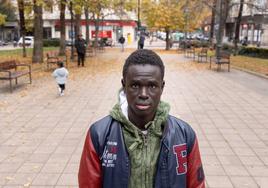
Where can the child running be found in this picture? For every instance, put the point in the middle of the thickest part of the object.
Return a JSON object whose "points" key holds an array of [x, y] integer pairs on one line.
{"points": [[61, 74]]}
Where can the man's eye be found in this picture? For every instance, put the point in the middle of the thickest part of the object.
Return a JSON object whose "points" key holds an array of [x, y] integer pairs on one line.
{"points": [[134, 86], [152, 86]]}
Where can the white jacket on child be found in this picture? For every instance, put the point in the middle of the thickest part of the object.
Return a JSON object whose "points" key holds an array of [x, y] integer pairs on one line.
{"points": [[61, 75]]}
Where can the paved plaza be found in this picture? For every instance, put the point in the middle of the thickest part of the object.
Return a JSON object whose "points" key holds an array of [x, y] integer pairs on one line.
{"points": [[41, 134]]}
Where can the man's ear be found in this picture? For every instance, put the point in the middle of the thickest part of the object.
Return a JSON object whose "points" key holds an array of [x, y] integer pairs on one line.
{"points": [[123, 84], [163, 84]]}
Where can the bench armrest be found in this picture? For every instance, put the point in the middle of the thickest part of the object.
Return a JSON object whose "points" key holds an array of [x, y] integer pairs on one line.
{"points": [[6, 71], [24, 65]]}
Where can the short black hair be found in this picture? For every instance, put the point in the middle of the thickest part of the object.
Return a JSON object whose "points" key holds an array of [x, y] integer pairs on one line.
{"points": [[144, 57], [60, 64]]}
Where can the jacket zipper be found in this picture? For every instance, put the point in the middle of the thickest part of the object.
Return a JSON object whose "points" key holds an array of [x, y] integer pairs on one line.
{"points": [[145, 154]]}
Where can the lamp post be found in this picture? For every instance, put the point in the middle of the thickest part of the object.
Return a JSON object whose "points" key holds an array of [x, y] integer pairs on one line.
{"points": [[252, 26], [186, 12], [139, 16], [139, 21], [72, 31]]}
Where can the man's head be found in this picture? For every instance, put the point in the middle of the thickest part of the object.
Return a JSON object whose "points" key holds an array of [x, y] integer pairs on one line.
{"points": [[143, 57], [143, 84], [80, 36]]}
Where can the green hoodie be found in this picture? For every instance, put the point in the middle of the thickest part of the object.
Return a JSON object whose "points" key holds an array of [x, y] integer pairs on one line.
{"points": [[143, 148]]}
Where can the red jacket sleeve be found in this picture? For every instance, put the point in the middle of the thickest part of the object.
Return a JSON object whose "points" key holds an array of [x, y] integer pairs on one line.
{"points": [[195, 173], [89, 175]]}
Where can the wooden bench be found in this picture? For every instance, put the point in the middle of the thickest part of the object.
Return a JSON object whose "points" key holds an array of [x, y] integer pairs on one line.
{"points": [[190, 52], [52, 59], [224, 58], [202, 54], [101, 47], [90, 52], [9, 71]]}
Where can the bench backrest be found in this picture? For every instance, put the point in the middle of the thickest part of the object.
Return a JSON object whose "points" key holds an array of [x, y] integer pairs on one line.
{"points": [[7, 65], [225, 55], [204, 50], [52, 54]]}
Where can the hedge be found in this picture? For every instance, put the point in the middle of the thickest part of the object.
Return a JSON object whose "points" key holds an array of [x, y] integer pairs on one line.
{"points": [[194, 43], [254, 52], [51, 42]]}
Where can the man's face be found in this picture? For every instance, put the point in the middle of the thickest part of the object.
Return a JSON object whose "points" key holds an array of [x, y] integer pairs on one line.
{"points": [[143, 86]]}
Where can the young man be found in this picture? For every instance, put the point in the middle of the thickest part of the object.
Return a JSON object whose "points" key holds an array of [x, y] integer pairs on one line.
{"points": [[80, 45], [139, 145]]}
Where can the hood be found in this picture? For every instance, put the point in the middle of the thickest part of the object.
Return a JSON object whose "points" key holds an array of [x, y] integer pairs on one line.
{"points": [[61, 72]]}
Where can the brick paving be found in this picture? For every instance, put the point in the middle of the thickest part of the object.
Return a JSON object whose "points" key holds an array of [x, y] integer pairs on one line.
{"points": [[41, 134]]}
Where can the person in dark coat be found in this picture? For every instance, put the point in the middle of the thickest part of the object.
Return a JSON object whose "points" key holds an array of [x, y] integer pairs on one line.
{"points": [[141, 41], [122, 41], [80, 45]]}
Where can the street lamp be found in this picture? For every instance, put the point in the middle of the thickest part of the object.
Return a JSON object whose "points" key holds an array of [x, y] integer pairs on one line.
{"points": [[186, 11], [139, 20], [72, 30], [139, 16]]}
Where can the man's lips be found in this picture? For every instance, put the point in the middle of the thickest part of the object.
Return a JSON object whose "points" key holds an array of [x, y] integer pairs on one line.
{"points": [[142, 106]]}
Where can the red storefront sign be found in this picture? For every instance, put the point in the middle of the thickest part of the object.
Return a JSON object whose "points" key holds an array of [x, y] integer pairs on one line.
{"points": [[102, 34], [119, 23]]}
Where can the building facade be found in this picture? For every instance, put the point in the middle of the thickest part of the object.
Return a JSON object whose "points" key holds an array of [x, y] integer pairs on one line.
{"points": [[110, 26], [254, 23]]}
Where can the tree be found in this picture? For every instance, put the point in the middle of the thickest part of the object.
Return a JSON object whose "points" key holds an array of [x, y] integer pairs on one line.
{"points": [[170, 15], [87, 22], [212, 23], [62, 26], [22, 25], [237, 25], [7, 13], [7, 9], [38, 32], [78, 9]]}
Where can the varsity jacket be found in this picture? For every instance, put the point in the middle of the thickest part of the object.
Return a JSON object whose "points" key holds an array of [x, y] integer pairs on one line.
{"points": [[105, 162]]}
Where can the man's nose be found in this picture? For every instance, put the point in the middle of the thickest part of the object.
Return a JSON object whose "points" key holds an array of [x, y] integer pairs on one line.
{"points": [[143, 93]]}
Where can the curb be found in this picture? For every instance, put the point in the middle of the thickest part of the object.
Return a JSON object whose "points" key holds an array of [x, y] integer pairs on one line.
{"points": [[251, 72]]}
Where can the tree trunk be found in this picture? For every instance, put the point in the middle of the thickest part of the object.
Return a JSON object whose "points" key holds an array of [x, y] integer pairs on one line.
{"points": [[226, 13], [77, 24], [213, 13], [87, 24], [97, 20], [38, 34], [62, 27], [167, 39], [220, 29], [72, 30], [237, 25], [22, 25]]}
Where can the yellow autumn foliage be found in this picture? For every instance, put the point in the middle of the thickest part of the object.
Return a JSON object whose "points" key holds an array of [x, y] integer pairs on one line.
{"points": [[174, 14], [2, 19]]}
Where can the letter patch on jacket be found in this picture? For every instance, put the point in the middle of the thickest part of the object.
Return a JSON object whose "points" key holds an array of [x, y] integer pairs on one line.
{"points": [[181, 156], [110, 154]]}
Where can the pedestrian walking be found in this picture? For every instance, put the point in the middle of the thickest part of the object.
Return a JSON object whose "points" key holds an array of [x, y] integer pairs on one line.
{"points": [[139, 144], [61, 74], [80, 45], [122, 42], [141, 41]]}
